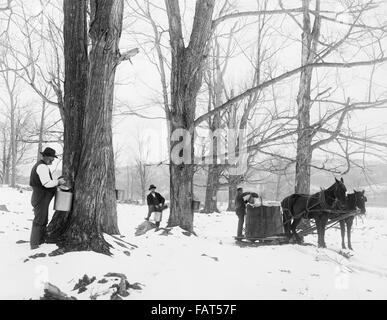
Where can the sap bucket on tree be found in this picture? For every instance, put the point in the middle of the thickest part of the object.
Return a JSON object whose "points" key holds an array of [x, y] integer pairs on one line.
{"points": [[196, 205], [63, 199]]}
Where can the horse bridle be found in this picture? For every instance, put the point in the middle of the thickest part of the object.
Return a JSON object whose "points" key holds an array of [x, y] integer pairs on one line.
{"points": [[337, 201]]}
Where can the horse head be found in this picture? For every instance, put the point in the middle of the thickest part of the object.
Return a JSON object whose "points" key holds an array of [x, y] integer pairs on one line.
{"points": [[360, 200], [340, 192]]}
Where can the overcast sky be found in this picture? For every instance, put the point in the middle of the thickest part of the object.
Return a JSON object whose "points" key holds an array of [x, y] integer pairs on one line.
{"points": [[138, 84]]}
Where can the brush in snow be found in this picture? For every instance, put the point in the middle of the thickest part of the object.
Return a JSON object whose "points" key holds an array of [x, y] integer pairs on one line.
{"points": [[22, 241], [82, 283], [144, 227], [52, 292], [213, 258]]}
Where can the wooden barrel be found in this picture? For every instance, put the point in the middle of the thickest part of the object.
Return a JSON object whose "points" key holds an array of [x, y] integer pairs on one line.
{"points": [[263, 221]]}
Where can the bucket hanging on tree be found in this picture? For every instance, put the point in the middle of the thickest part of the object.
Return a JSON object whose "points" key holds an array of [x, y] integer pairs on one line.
{"points": [[63, 199]]}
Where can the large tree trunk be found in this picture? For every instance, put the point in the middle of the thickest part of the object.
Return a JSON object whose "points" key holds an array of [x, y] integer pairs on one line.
{"points": [[210, 201], [186, 80], [12, 153], [75, 91], [13, 145], [142, 171], [5, 169], [233, 182], [95, 201], [181, 196], [215, 93], [305, 133], [214, 169], [278, 187]]}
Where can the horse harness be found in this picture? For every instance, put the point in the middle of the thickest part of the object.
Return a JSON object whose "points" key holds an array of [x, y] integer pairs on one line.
{"points": [[309, 209]]}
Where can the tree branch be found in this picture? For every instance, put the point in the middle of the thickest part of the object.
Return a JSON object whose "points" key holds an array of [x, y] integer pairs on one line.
{"points": [[217, 21], [128, 55], [282, 77]]}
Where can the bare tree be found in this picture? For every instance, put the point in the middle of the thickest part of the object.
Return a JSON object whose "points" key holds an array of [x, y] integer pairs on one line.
{"points": [[11, 82], [186, 79], [90, 102], [39, 62], [321, 132], [214, 80], [143, 170]]}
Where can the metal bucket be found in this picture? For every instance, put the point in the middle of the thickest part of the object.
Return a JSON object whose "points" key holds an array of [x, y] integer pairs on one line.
{"points": [[195, 205], [63, 200]]}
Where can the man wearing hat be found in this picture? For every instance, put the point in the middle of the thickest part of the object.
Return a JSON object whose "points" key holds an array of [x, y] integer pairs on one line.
{"points": [[43, 190], [155, 203], [240, 208]]}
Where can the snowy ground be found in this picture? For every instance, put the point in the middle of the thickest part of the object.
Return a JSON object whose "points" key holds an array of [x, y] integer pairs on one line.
{"points": [[210, 266]]}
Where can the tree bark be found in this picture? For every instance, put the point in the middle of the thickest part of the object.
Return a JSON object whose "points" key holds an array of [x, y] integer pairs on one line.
{"points": [[214, 170], [10, 85], [305, 133], [95, 200], [13, 142], [186, 80], [5, 177], [232, 191], [75, 91], [210, 202], [142, 171]]}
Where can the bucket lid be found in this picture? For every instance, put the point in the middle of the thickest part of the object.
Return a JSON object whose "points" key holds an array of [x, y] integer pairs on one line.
{"points": [[64, 188]]}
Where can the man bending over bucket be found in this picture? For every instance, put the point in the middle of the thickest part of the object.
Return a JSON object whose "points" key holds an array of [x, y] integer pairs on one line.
{"points": [[156, 205], [240, 208], [43, 190]]}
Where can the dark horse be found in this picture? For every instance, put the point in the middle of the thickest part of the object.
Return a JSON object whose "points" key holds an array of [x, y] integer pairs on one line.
{"points": [[354, 201], [317, 206]]}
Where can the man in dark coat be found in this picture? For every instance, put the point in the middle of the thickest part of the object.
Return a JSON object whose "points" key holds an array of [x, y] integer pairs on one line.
{"points": [[240, 208], [156, 204], [43, 190]]}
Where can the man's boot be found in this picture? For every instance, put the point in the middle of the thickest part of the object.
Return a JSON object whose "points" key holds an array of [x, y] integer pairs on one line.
{"points": [[35, 236], [42, 235]]}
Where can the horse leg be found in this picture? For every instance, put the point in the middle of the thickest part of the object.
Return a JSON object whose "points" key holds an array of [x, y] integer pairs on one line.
{"points": [[349, 223], [287, 222], [317, 220], [324, 220], [342, 229], [294, 232]]}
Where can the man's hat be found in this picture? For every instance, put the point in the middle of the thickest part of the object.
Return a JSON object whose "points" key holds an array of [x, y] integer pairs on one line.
{"points": [[152, 187], [49, 152]]}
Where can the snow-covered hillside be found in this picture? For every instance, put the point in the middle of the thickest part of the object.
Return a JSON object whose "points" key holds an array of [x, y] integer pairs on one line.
{"points": [[210, 266]]}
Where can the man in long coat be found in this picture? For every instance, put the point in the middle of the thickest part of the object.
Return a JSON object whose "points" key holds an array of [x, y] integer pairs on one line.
{"points": [[156, 204], [43, 190]]}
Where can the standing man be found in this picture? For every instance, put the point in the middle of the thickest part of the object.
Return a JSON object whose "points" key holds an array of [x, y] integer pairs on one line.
{"points": [[155, 203], [240, 208], [43, 190]]}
